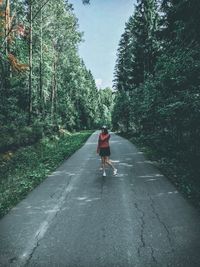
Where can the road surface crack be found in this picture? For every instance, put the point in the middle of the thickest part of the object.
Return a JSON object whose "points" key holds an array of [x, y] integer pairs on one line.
{"points": [[31, 254], [52, 195], [26, 257], [153, 256], [142, 245], [162, 223]]}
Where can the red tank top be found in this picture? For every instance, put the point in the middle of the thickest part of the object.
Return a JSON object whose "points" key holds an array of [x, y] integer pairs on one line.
{"points": [[104, 140]]}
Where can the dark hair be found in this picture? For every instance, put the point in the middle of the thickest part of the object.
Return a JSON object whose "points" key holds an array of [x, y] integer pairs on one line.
{"points": [[105, 130]]}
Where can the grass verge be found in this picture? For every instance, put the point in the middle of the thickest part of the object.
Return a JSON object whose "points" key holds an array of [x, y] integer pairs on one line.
{"points": [[21, 171], [180, 174]]}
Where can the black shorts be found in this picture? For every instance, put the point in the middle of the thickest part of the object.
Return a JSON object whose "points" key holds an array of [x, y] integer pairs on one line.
{"points": [[104, 152]]}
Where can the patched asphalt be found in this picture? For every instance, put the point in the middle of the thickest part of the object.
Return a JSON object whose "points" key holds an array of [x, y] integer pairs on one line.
{"points": [[77, 218]]}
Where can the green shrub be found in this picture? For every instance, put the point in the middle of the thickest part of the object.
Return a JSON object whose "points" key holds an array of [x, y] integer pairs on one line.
{"points": [[22, 170]]}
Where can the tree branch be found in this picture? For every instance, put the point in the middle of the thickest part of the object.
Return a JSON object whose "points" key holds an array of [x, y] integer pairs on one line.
{"points": [[46, 2]]}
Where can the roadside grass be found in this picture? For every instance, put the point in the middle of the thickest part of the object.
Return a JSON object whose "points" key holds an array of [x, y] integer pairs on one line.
{"points": [[184, 178], [21, 171]]}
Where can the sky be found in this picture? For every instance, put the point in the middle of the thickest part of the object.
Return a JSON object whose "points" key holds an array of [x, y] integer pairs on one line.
{"points": [[103, 23]]}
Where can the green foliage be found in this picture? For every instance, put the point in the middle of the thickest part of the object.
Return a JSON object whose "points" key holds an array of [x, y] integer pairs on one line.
{"points": [[122, 106], [44, 86], [106, 102], [138, 47], [23, 170], [12, 137], [137, 54], [57, 88], [163, 97]]}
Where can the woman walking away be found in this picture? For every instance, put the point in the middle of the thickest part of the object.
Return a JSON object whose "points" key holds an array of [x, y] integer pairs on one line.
{"points": [[103, 149]]}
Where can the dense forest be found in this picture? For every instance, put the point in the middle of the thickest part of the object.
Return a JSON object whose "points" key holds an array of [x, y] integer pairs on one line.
{"points": [[46, 87], [157, 78], [44, 83], [49, 101]]}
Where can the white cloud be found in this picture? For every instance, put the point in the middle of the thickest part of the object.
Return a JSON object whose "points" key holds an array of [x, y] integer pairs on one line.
{"points": [[98, 83]]}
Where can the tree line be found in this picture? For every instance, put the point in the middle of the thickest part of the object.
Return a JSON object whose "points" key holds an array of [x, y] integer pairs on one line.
{"points": [[43, 81], [157, 79]]}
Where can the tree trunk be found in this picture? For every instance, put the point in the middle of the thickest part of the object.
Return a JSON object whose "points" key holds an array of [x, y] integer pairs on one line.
{"points": [[7, 30], [41, 100], [7, 23], [30, 61], [53, 90]]}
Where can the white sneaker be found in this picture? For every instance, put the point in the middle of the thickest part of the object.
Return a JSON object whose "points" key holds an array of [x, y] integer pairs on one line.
{"points": [[115, 172], [104, 174]]}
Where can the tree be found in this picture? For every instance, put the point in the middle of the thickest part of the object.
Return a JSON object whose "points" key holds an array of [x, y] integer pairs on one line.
{"points": [[137, 55], [163, 95], [48, 84]]}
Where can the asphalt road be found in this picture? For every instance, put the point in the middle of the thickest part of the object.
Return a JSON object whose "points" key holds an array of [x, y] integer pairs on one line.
{"points": [[77, 218]]}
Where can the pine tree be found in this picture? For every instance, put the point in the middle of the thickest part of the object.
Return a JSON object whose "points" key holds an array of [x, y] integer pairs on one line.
{"points": [[137, 54]]}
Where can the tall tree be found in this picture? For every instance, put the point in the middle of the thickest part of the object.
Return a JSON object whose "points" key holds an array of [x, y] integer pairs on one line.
{"points": [[164, 101], [137, 54], [48, 82]]}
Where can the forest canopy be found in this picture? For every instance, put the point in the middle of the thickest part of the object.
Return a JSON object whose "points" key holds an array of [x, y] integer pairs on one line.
{"points": [[44, 82], [157, 79]]}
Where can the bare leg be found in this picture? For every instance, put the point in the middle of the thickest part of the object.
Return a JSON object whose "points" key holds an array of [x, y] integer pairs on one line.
{"points": [[109, 163], [103, 160], [101, 167]]}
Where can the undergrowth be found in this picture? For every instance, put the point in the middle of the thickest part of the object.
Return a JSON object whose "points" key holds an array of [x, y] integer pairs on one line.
{"points": [[22, 170], [174, 165]]}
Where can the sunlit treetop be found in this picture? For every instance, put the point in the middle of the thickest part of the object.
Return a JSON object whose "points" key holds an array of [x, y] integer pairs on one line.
{"points": [[86, 2]]}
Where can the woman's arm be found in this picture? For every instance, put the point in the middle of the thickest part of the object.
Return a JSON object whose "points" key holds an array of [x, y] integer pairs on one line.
{"points": [[104, 137], [98, 145]]}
